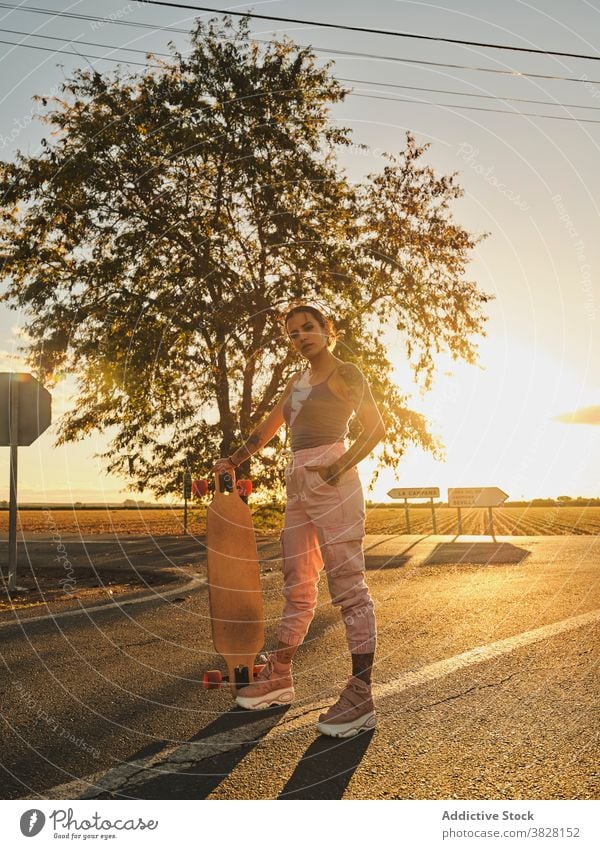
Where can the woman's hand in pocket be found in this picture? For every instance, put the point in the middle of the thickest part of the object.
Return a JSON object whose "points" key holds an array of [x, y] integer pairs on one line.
{"points": [[329, 474]]}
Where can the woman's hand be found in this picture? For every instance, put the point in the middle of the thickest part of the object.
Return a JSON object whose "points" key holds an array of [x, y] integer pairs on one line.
{"points": [[329, 474], [221, 466]]}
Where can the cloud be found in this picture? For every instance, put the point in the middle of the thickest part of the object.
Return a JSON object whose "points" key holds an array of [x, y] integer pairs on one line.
{"points": [[584, 415]]}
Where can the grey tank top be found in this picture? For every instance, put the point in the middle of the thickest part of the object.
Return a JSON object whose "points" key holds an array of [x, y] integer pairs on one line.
{"points": [[315, 415]]}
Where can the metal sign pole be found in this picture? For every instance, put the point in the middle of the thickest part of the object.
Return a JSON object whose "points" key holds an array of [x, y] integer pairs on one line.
{"points": [[407, 516], [459, 520], [433, 516], [12, 515]]}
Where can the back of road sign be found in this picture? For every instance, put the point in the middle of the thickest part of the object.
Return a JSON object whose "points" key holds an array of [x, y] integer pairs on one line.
{"points": [[33, 404]]}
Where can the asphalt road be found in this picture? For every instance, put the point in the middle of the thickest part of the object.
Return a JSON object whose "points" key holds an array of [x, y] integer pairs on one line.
{"points": [[485, 687]]}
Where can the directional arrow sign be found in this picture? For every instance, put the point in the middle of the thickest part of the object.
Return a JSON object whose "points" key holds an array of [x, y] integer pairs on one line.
{"points": [[478, 496], [415, 492]]}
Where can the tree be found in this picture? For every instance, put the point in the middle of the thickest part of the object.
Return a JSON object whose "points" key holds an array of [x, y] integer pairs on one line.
{"points": [[176, 213]]}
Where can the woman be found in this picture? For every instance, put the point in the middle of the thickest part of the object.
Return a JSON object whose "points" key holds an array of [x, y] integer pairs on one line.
{"points": [[324, 520]]}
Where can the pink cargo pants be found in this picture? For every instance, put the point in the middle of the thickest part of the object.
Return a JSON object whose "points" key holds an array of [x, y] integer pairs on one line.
{"points": [[324, 525]]}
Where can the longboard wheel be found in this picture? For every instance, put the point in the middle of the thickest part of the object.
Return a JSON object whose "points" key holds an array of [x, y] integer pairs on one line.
{"points": [[212, 679], [258, 668], [199, 487], [244, 487]]}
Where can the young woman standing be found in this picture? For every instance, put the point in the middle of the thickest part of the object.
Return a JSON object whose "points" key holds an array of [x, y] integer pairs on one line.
{"points": [[324, 522]]}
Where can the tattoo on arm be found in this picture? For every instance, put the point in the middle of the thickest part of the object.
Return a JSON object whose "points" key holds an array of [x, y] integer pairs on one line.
{"points": [[355, 383], [250, 446]]}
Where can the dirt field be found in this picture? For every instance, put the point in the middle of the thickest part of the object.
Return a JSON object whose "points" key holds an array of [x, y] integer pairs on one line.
{"points": [[517, 521]]}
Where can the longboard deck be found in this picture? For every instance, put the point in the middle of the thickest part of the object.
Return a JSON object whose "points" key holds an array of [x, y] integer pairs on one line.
{"points": [[236, 604]]}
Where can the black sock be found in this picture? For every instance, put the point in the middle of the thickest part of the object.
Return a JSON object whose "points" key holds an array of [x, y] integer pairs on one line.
{"points": [[362, 665]]}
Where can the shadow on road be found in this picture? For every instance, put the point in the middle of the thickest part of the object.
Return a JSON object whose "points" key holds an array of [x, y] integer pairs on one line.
{"points": [[231, 736], [487, 553], [389, 561], [326, 768]]}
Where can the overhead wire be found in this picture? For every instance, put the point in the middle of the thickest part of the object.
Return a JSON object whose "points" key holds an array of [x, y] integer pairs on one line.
{"points": [[371, 95], [368, 30], [323, 50], [341, 79]]}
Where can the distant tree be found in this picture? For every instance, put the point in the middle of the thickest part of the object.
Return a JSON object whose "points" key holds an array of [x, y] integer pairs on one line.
{"points": [[564, 498], [173, 216]]}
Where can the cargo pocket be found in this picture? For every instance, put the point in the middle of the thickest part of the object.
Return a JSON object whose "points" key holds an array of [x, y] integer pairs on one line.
{"points": [[332, 534]]}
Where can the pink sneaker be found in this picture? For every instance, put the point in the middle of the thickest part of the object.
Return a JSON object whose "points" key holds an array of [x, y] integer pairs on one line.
{"points": [[353, 712], [273, 686]]}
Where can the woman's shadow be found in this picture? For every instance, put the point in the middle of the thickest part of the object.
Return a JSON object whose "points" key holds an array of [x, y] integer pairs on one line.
{"points": [[326, 767]]}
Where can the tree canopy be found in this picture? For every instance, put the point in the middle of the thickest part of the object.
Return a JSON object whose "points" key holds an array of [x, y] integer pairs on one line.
{"points": [[171, 218]]}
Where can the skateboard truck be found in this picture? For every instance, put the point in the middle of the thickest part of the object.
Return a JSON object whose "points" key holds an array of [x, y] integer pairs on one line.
{"points": [[213, 678], [244, 487]]}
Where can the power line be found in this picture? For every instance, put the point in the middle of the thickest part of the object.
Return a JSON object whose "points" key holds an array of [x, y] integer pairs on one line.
{"points": [[73, 53], [370, 30], [351, 94], [329, 51], [342, 79], [479, 108], [87, 43], [333, 51], [470, 94]]}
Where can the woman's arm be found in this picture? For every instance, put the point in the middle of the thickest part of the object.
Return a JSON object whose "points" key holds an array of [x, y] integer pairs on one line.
{"points": [[353, 386], [265, 431]]}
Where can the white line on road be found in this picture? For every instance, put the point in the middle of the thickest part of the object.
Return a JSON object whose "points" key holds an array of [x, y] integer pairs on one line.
{"points": [[173, 759], [191, 585]]}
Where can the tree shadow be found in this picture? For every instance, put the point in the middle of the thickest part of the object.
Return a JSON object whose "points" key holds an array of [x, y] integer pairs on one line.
{"points": [[326, 767], [486, 553]]}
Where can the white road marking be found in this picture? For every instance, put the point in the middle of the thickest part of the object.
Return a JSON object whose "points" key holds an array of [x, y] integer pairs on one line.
{"points": [[173, 759], [191, 585]]}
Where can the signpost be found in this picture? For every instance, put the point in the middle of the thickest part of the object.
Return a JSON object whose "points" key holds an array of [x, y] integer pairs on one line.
{"points": [[430, 492], [187, 494], [478, 496], [25, 413]]}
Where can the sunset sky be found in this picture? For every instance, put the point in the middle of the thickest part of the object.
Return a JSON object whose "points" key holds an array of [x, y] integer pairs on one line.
{"points": [[527, 417]]}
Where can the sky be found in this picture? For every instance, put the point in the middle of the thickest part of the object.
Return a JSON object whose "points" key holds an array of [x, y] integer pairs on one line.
{"points": [[526, 418]]}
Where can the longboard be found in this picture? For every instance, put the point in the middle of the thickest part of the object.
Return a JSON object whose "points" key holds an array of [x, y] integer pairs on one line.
{"points": [[235, 596]]}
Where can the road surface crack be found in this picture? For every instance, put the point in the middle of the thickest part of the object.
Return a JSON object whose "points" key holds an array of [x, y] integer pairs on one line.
{"points": [[465, 693]]}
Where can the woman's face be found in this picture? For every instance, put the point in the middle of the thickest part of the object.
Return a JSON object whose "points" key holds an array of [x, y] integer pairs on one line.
{"points": [[306, 334]]}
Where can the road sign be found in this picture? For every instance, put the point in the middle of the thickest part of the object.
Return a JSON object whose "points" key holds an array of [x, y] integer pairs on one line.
{"points": [[25, 412], [430, 492], [478, 496], [415, 492], [34, 405]]}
